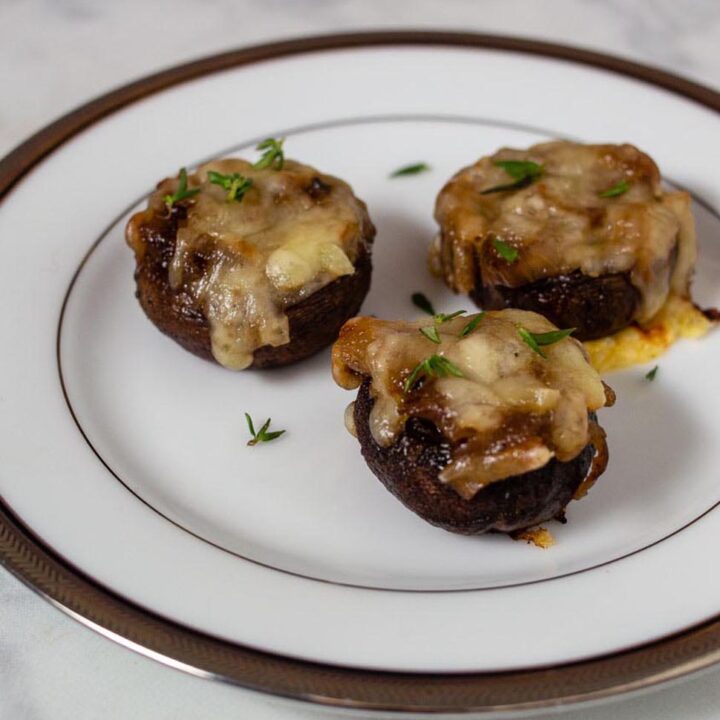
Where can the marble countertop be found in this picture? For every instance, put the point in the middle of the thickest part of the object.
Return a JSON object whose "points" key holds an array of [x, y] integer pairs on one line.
{"points": [[57, 54]]}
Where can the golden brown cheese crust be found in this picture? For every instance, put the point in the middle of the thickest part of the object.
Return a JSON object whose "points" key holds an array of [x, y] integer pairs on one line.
{"points": [[562, 227], [510, 413], [240, 268]]}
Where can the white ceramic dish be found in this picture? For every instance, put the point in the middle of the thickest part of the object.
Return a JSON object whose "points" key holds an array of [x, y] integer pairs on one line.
{"points": [[124, 457]]}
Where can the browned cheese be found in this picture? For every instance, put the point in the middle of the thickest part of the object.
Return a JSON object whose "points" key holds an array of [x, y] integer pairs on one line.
{"points": [[561, 223], [512, 410], [292, 233]]}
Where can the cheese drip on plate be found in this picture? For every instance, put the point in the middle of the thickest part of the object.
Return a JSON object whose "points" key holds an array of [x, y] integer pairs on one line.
{"points": [[641, 343]]}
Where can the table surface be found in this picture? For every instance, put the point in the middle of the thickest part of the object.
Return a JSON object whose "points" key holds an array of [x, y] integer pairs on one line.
{"points": [[56, 54]]}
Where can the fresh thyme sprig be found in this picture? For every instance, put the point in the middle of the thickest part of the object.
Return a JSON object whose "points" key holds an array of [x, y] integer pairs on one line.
{"points": [[420, 301], [182, 192], [236, 185], [471, 325], [537, 341], [273, 155], [619, 188], [431, 332], [434, 366], [523, 172], [441, 318], [410, 170], [262, 435], [507, 252]]}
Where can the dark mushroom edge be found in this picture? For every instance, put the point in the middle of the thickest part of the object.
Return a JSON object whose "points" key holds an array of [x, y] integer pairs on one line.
{"points": [[595, 306], [314, 322], [409, 469], [587, 236]]}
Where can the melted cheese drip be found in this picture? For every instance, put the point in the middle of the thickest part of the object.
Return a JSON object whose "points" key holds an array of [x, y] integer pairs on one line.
{"points": [[637, 344], [510, 413], [269, 251], [560, 224], [539, 537]]}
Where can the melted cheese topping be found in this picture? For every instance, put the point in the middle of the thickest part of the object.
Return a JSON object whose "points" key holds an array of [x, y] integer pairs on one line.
{"points": [[638, 344], [294, 231], [510, 413], [560, 224]]}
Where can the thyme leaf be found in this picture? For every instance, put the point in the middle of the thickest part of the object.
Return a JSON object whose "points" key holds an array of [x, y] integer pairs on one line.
{"points": [[262, 435], [182, 192], [410, 170], [236, 185], [434, 366], [273, 155], [619, 188], [523, 172], [505, 251], [471, 325], [536, 341], [420, 301]]}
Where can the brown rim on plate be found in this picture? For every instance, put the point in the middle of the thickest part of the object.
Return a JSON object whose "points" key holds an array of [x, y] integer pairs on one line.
{"points": [[69, 589]]}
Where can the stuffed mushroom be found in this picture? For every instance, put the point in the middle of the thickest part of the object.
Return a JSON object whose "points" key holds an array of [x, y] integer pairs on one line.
{"points": [[475, 423], [252, 265], [583, 234]]}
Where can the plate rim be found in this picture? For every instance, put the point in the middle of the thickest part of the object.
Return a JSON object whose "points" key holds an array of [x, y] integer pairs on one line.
{"points": [[70, 590]]}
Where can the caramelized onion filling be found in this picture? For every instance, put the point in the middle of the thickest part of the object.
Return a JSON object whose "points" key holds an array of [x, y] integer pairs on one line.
{"points": [[566, 221], [245, 261], [511, 411]]}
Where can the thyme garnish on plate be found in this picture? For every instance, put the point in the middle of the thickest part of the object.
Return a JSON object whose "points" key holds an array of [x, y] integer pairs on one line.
{"points": [[262, 435], [420, 301], [410, 170]]}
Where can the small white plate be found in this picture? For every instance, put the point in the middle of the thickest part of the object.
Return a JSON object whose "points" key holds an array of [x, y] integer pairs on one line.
{"points": [[124, 457]]}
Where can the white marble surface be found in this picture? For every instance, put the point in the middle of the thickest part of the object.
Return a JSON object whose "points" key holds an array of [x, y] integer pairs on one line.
{"points": [[56, 54]]}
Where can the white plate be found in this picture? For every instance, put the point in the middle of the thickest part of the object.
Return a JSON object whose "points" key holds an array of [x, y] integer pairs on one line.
{"points": [[126, 456]]}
